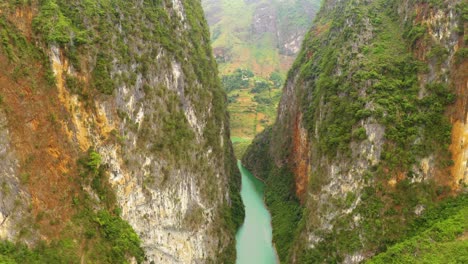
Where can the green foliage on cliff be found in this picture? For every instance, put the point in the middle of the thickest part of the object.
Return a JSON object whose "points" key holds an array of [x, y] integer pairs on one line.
{"points": [[57, 252], [115, 242], [385, 85], [106, 236], [121, 236], [55, 27], [101, 75], [357, 67], [117, 46], [233, 214], [113, 238], [285, 209], [439, 236]]}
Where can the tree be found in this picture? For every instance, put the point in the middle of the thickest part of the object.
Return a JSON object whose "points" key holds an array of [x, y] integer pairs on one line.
{"points": [[260, 86], [277, 80]]}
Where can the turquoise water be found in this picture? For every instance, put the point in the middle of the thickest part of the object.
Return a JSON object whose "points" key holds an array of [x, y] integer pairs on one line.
{"points": [[254, 245]]}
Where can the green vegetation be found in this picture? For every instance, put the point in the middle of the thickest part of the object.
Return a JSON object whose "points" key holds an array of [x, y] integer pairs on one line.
{"points": [[392, 70], [55, 27], [357, 66], [234, 215], [253, 66], [277, 79], [115, 44], [101, 76], [117, 238], [285, 208], [462, 54], [19, 50], [240, 145], [414, 127], [237, 80], [108, 238], [178, 136], [76, 86], [57, 252], [262, 53], [439, 236], [121, 236], [94, 162], [260, 86], [252, 104]]}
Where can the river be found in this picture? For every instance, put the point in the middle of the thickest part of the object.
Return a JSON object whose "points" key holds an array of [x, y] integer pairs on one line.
{"points": [[254, 238]]}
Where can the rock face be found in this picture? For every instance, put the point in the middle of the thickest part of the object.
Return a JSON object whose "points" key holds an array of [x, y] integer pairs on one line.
{"points": [[286, 20], [371, 127], [136, 82], [290, 35], [11, 191]]}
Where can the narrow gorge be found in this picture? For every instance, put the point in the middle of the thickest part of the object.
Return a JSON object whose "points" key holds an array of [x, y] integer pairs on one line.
{"points": [[233, 131]]}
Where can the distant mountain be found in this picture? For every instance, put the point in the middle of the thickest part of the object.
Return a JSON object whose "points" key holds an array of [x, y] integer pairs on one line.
{"points": [[262, 35]]}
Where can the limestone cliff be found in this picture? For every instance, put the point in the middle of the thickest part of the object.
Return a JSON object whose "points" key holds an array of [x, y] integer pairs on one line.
{"points": [[114, 109], [371, 128]]}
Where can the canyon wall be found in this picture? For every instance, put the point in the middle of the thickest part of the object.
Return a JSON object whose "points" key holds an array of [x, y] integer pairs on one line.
{"points": [[371, 128], [109, 110]]}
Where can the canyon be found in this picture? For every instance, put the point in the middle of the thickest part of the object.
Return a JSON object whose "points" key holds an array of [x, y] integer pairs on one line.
{"points": [[116, 144]]}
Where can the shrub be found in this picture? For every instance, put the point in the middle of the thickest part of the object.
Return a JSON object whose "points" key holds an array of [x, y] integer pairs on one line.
{"points": [[461, 55], [101, 75], [260, 86], [94, 161], [277, 80]]}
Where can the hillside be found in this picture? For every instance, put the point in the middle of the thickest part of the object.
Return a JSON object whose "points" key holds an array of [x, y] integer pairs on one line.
{"points": [[114, 135], [255, 43], [261, 35], [439, 236], [371, 133]]}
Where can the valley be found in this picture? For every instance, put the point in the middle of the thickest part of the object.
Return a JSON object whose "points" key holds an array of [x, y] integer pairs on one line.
{"points": [[255, 44], [233, 131]]}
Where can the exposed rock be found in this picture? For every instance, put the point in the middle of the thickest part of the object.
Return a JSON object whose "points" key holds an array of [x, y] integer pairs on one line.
{"points": [[367, 172], [155, 113], [14, 199]]}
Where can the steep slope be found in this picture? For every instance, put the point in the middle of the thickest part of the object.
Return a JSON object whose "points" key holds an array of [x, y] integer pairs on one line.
{"points": [[112, 112], [371, 128], [437, 237]]}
